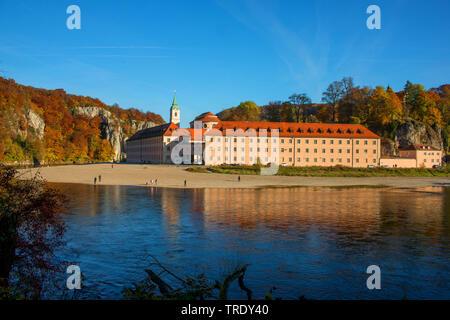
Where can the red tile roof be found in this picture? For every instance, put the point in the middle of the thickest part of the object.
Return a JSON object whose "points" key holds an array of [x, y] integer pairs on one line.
{"points": [[289, 129]]}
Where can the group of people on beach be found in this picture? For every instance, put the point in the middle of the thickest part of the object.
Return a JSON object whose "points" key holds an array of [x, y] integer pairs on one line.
{"points": [[152, 182]]}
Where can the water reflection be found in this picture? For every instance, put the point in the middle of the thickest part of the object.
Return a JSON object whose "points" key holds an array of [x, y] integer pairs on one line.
{"points": [[315, 242]]}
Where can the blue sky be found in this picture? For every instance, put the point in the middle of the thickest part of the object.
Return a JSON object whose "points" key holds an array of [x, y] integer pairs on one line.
{"points": [[217, 53]]}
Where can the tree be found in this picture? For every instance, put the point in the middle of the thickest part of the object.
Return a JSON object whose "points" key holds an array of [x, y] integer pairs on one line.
{"points": [[332, 96], [30, 231], [298, 103]]}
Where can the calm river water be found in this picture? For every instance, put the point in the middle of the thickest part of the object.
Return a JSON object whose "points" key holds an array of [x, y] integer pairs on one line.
{"points": [[312, 242]]}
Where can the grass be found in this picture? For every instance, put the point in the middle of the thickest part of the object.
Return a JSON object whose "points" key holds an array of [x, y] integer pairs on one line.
{"points": [[336, 171]]}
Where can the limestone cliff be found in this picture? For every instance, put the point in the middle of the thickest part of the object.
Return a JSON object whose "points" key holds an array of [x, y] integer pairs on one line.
{"points": [[113, 128], [412, 132]]}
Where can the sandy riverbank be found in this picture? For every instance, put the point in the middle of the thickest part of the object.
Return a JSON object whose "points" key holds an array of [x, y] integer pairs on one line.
{"points": [[174, 176]]}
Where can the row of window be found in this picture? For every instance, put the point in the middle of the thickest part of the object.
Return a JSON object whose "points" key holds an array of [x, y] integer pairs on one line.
{"points": [[366, 142], [366, 151], [316, 160]]}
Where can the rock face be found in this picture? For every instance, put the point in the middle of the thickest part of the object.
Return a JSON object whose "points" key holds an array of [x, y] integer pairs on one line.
{"points": [[413, 132], [112, 128], [37, 123]]}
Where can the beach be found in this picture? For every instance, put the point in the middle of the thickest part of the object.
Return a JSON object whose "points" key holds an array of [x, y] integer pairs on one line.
{"points": [[173, 176]]}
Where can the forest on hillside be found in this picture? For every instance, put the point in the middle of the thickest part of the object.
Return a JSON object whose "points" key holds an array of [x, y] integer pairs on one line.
{"points": [[66, 136], [379, 109]]}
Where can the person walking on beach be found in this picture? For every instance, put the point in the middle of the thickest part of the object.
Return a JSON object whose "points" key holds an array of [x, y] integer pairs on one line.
{"points": [[185, 183], [239, 178], [99, 178], [156, 182], [95, 180]]}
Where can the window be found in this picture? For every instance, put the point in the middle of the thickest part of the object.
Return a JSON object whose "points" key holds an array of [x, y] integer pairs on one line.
{"points": [[251, 149], [374, 142], [348, 150], [365, 142], [307, 159], [235, 139], [332, 160], [357, 141], [282, 140], [212, 140], [242, 140], [290, 140], [323, 159], [323, 151], [374, 151], [357, 160], [290, 159], [274, 149], [298, 141], [332, 150], [315, 159], [340, 141], [290, 149], [315, 150], [298, 150], [340, 160], [298, 159], [348, 160], [251, 140], [365, 150], [348, 141], [282, 149], [374, 160], [331, 141], [323, 141], [307, 141], [357, 150], [315, 141], [340, 150], [307, 150]]}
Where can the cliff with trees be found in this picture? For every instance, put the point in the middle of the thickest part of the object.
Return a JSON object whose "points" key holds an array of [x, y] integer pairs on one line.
{"points": [[414, 115], [52, 126]]}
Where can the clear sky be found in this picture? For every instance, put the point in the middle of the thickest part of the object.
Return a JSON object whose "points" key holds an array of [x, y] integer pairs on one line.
{"points": [[217, 53]]}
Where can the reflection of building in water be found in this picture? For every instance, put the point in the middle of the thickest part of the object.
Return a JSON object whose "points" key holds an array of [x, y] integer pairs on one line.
{"points": [[351, 210], [170, 205], [358, 212]]}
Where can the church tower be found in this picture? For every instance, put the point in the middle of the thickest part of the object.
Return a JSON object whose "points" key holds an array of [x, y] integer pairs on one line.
{"points": [[175, 111]]}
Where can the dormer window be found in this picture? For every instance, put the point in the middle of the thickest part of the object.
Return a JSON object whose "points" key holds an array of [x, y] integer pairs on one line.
{"points": [[359, 131], [310, 130], [319, 130], [329, 130]]}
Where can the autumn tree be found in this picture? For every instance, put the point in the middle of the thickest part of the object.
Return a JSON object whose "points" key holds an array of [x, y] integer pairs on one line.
{"points": [[298, 104], [30, 231], [332, 96]]}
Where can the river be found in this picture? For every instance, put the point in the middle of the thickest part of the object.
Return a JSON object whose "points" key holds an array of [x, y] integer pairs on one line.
{"points": [[311, 242]]}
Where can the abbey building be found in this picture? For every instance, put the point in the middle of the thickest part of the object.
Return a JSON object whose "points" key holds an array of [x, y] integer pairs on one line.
{"points": [[210, 141]]}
